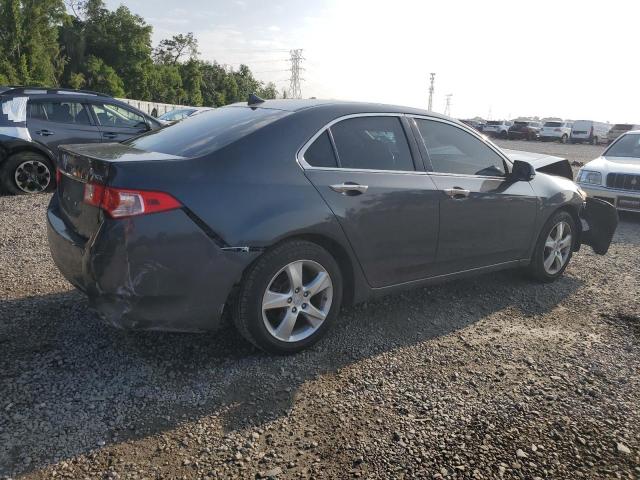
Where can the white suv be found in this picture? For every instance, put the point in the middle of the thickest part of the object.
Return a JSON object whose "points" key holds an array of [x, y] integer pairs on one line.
{"points": [[556, 131], [497, 128]]}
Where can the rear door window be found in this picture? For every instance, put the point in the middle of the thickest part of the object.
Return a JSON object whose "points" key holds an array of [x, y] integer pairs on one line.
{"points": [[320, 153], [58, 112], [372, 143], [452, 150]]}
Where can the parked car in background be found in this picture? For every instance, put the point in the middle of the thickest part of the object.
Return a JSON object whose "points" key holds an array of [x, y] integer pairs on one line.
{"points": [[560, 131], [139, 226], [497, 128], [619, 129], [474, 124], [615, 175], [524, 130], [35, 121], [589, 131], [178, 114]]}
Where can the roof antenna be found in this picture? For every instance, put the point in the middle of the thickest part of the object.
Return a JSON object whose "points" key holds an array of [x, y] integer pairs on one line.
{"points": [[254, 99]]}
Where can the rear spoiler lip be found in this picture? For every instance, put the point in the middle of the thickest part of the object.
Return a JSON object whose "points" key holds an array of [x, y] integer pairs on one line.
{"points": [[95, 162]]}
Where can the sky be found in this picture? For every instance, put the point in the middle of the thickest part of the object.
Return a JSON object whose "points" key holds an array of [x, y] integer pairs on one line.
{"points": [[574, 59]]}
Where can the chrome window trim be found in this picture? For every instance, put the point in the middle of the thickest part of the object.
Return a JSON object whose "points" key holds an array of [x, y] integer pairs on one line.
{"points": [[305, 166], [476, 134]]}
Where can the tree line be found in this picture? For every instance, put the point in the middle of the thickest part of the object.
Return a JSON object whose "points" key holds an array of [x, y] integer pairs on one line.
{"points": [[87, 46]]}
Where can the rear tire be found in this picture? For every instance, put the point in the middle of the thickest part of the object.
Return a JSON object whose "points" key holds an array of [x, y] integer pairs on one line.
{"points": [[279, 308], [27, 173], [554, 248]]}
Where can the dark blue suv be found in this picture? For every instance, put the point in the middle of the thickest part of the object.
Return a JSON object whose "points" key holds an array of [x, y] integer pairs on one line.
{"points": [[34, 121]]}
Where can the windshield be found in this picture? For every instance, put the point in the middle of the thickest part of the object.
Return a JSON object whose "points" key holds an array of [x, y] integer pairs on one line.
{"points": [[494, 122], [626, 146], [201, 134], [176, 114], [553, 124]]}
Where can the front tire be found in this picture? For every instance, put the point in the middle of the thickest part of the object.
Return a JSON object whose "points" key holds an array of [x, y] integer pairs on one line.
{"points": [[289, 298], [27, 173], [564, 138], [554, 247], [594, 141]]}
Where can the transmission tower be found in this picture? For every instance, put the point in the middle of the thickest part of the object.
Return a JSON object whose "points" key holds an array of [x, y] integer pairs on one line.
{"points": [[447, 107], [433, 76], [294, 82]]}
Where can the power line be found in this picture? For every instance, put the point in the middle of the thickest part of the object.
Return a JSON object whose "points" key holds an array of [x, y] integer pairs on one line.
{"points": [[433, 76], [294, 82]]}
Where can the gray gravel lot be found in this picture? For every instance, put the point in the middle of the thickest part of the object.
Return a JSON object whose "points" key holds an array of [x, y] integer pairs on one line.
{"points": [[490, 377]]}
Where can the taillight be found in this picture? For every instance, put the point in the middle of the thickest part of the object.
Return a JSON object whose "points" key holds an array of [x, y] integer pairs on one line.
{"points": [[121, 203]]}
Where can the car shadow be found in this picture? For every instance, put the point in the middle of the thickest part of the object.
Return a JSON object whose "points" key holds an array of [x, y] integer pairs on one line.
{"points": [[71, 384]]}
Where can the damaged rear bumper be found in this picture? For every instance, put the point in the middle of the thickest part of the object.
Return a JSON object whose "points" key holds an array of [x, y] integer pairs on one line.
{"points": [[137, 276], [599, 223]]}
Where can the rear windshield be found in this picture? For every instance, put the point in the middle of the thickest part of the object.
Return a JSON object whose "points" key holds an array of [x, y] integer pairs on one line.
{"points": [[494, 122], [520, 124], [626, 146], [553, 124], [201, 134], [622, 126]]}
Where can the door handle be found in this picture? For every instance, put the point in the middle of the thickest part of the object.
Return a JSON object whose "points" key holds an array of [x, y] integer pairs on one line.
{"points": [[457, 192], [109, 135], [349, 188], [44, 133]]}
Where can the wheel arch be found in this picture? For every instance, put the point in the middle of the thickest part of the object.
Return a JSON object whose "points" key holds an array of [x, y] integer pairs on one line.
{"points": [[340, 254], [572, 210], [346, 264]]}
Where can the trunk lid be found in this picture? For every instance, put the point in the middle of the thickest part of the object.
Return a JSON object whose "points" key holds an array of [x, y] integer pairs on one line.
{"points": [[81, 165]]}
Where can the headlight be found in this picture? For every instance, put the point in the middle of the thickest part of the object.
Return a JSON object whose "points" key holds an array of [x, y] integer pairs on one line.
{"points": [[590, 177]]}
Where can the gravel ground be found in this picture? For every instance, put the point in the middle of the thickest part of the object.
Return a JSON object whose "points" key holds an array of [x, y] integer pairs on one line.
{"points": [[490, 377]]}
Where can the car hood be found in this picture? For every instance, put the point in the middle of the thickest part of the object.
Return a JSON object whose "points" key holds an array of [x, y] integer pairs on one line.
{"points": [[614, 164], [542, 162]]}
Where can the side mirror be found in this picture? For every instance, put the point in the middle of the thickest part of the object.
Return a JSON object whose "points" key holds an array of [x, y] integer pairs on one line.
{"points": [[522, 171]]}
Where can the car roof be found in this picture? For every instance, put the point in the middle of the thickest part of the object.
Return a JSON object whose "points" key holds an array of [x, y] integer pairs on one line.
{"points": [[22, 90], [294, 105]]}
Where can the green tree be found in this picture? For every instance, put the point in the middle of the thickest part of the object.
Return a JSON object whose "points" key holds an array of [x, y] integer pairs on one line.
{"points": [[29, 41], [172, 50], [165, 84], [123, 41], [101, 77], [191, 80]]}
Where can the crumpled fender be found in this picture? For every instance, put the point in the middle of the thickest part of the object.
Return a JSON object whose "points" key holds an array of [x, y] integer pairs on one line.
{"points": [[601, 220]]}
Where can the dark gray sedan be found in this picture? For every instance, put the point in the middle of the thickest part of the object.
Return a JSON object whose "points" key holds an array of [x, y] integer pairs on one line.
{"points": [[282, 211]]}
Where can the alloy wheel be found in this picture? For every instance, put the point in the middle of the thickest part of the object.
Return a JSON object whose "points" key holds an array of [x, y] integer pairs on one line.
{"points": [[32, 176], [297, 301], [557, 248]]}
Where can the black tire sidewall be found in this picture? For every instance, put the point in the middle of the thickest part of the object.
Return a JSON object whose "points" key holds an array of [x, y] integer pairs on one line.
{"points": [[249, 309], [7, 172], [536, 267]]}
